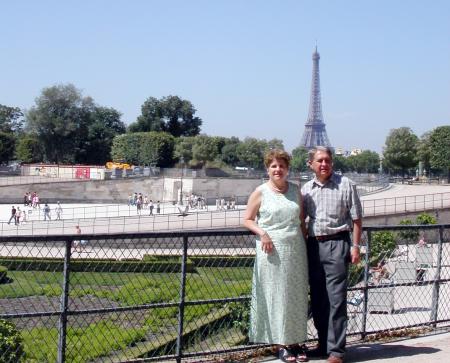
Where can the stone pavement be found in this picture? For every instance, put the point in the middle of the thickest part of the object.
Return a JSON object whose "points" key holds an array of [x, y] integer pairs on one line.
{"points": [[430, 349]]}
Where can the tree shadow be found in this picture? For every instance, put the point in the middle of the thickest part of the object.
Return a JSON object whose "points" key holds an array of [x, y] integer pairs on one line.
{"points": [[372, 352]]}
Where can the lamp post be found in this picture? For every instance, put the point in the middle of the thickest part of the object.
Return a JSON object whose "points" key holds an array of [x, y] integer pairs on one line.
{"points": [[181, 183]]}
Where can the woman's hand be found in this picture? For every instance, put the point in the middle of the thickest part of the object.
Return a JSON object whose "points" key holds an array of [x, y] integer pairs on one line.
{"points": [[266, 243]]}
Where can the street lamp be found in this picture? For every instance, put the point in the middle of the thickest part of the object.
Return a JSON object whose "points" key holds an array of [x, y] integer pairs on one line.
{"points": [[181, 183]]}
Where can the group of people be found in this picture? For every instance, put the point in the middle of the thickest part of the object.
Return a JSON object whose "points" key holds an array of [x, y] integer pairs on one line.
{"points": [[31, 199], [20, 216], [223, 204], [306, 239], [141, 202]]}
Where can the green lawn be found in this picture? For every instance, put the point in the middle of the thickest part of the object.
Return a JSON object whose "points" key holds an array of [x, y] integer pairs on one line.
{"points": [[111, 333]]}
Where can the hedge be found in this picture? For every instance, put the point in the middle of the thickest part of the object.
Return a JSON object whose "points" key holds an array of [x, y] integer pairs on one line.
{"points": [[3, 273]]}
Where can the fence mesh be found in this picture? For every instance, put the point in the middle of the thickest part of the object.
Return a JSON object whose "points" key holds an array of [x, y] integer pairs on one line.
{"points": [[173, 296]]}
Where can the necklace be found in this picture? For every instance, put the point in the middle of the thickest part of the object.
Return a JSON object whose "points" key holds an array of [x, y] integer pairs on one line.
{"points": [[277, 189]]}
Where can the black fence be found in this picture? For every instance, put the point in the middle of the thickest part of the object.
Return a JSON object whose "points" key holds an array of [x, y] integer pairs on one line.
{"points": [[184, 296]]}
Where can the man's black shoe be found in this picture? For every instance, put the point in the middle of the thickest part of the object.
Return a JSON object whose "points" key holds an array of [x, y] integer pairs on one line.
{"points": [[317, 353]]}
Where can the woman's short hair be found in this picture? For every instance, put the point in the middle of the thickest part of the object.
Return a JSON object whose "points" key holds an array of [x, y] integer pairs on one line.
{"points": [[278, 154]]}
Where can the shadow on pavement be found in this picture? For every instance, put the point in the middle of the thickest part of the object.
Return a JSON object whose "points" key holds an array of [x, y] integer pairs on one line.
{"points": [[371, 352]]}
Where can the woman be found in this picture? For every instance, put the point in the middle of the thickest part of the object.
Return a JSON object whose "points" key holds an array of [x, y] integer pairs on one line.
{"points": [[280, 277]]}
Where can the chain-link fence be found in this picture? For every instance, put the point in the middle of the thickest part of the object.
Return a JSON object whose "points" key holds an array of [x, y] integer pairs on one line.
{"points": [[184, 296]]}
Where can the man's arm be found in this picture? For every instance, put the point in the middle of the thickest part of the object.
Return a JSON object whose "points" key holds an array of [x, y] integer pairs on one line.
{"points": [[357, 231]]}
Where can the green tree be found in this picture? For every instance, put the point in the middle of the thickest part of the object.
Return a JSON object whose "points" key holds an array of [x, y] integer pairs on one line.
{"points": [[104, 124], [251, 153], [29, 149], [299, 159], [400, 150], [365, 162], [423, 151], [171, 114], [341, 163], [183, 148], [7, 145], [229, 151], [144, 148], [11, 119], [60, 121], [439, 146], [206, 148]]}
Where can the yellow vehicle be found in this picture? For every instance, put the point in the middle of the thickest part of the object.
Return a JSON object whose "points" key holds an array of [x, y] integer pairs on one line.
{"points": [[117, 165]]}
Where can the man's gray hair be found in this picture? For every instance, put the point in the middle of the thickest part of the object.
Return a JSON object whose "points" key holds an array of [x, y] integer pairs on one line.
{"points": [[315, 149]]}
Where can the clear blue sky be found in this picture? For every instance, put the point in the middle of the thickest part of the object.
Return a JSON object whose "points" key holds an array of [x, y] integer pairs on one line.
{"points": [[245, 65]]}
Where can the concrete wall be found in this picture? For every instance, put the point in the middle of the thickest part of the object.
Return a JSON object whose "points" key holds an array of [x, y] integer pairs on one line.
{"points": [[114, 191]]}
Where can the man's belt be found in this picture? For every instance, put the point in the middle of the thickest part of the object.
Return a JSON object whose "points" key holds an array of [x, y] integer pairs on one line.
{"points": [[330, 237]]}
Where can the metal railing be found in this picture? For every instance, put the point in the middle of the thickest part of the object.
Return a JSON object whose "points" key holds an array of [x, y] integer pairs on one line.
{"points": [[159, 296], [412, 203]]}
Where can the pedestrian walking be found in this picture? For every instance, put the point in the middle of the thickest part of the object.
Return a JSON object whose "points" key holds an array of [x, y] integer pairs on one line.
{"points": [[13, 215], [58, 211], [47, 212]]}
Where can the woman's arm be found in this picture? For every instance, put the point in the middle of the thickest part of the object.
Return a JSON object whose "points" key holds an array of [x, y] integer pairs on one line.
{"points": [[302, 218], [253, 204]]}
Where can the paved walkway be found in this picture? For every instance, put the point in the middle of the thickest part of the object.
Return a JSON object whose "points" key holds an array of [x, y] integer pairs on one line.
{"points": [[433, 348]]}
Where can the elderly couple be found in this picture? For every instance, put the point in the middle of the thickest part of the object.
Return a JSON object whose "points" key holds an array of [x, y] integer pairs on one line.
{"points": [[288, 253]]}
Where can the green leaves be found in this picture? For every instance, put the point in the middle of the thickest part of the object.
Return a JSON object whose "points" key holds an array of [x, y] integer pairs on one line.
{"points": [[400, 151]]}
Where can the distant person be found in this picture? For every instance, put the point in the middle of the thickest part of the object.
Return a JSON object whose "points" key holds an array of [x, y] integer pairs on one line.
{"points": [[158, 207], [151, 206], [25, 199], [77, 243], [58, 211], [13, 215], [47, 212]]}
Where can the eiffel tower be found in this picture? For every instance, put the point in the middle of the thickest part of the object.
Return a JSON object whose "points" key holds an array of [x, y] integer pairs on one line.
{"points": [[315, 133]]}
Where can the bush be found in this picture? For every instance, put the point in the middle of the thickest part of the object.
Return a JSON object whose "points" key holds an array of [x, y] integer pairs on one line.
{"points": [[383, 244], [3, 272], [425, 218], [240, 316], [11, 348], [408, 234]]}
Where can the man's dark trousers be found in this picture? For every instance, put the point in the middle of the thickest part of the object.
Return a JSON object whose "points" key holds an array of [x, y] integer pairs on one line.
{"points": [[328, 263]]}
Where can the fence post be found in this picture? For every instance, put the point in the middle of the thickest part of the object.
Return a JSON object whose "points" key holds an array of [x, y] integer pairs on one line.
{"points": [[62, 325], [436, 284], [179, 351], [366, 284]]}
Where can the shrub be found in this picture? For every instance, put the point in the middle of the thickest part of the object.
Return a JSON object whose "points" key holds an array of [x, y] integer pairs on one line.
{"points": [[3, 272], [408, 234], [11, 348], [240, 316], [383, 244], [425, 218]]}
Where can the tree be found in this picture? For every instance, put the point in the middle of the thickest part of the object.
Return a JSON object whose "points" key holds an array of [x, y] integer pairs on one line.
{"points": [[72, 128], [423, 151], [104, 124], [365, 162], [299, 159], [29, 149], [439, 146], [228, 153], [341, 163], [205, 148], [60, 121], [11, 119], [400, 150], [144, 148], [183, 148], [7, 145], [171, 114], [251, 152]]}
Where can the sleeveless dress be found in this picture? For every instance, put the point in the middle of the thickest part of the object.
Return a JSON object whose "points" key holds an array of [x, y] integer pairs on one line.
{"points": [[279, 303]]}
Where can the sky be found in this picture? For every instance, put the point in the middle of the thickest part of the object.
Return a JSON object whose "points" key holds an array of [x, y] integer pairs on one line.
{"points": [[246, 66]]}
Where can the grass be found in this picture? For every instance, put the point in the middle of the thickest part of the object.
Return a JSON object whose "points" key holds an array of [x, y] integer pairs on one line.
{"points": [[100, 338]]}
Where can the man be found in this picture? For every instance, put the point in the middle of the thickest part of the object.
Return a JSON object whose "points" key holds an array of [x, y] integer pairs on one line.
{"points": [[58, 211], [13, 215], [47, 212], [334, 209]]}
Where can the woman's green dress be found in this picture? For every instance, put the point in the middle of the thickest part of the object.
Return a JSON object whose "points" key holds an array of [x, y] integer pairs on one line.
{"points": [[279, 306]]}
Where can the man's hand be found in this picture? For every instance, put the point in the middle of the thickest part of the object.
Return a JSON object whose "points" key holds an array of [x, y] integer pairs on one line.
{"points": [[354, 254]]}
